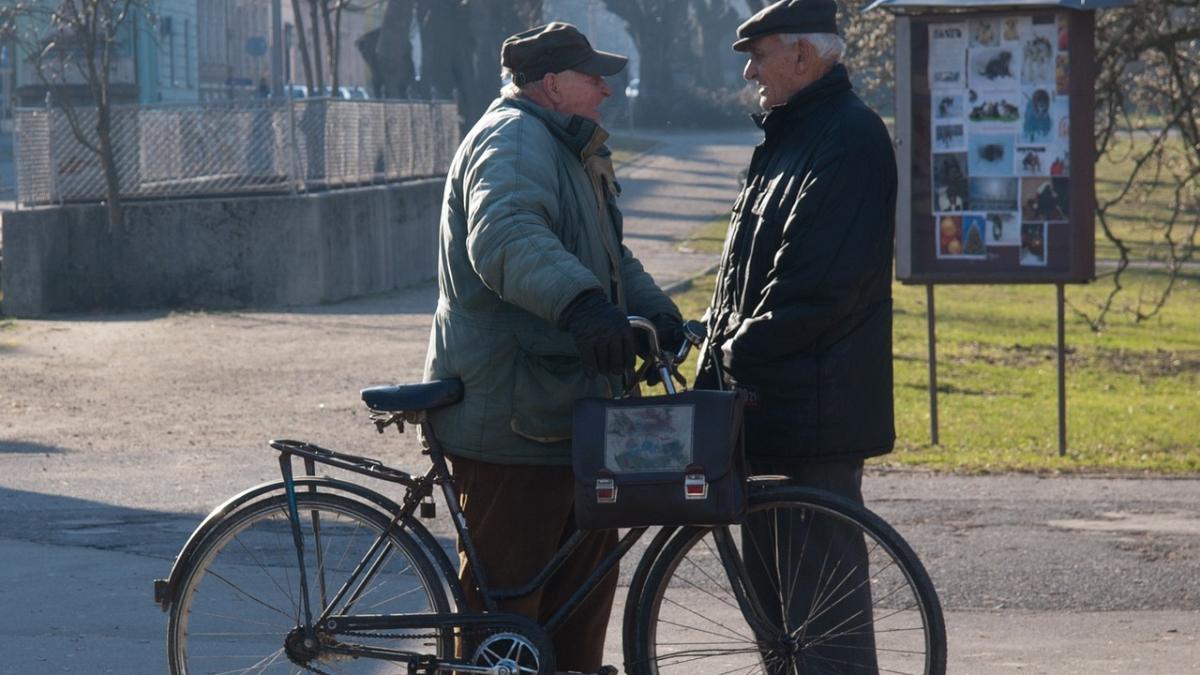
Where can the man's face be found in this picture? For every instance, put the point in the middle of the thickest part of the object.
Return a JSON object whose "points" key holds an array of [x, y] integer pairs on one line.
{"points": [[578, 94], [779, 69]]}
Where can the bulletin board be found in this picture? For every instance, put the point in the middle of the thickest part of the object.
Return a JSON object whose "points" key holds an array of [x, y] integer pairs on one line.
{"points": [[995, 144]]}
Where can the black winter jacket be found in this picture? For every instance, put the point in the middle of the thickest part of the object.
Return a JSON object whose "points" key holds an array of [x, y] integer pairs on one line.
{"points": [[802, 310]]}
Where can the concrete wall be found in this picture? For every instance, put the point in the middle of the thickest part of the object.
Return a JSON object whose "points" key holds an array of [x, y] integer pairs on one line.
{"points": [[221, 253]]}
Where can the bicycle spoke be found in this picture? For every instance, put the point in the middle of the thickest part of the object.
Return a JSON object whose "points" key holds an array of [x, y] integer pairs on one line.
{"points": [[689, 610], [839, 581]]}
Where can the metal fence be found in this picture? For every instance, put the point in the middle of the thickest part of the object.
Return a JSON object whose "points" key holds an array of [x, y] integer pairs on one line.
{"points": [[222, 148]]}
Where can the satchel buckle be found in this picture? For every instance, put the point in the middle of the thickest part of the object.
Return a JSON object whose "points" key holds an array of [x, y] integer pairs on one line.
{"points": [[695, 486], [606, 491]]}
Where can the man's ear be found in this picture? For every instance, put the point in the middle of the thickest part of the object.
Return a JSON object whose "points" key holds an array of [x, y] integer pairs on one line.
{"points": [[805, 56], [550, 87]]}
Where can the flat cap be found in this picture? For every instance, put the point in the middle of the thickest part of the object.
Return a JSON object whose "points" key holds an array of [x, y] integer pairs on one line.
{"points": [[553, 48], [788, 16]]}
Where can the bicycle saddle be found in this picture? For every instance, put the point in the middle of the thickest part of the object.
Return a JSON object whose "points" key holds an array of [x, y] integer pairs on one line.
{"points": [[413, 397]]}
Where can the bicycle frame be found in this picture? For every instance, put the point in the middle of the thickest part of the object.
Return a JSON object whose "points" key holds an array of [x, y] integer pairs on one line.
{"points": [[419, 489]]}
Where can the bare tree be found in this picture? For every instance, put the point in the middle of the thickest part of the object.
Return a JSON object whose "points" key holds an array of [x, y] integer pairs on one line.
{"points": [[654, 26], [77, 40], [1148, 122]]}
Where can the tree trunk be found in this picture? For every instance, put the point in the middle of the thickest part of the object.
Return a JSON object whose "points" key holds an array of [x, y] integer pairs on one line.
{"points": [[655, 28], [332, 40], [302, 38], [393, 49], [314, 13]]}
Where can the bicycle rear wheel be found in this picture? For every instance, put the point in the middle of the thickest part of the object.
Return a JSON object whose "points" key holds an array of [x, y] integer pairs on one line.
{"points": [[240, 598], [829, 586]]}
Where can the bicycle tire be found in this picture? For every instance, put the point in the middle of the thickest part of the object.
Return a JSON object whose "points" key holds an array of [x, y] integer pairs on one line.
{"points": [[238, 599], [691, 622]]}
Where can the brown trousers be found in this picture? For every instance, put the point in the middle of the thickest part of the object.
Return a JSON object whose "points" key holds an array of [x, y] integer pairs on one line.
{"points": [[518, 516]]}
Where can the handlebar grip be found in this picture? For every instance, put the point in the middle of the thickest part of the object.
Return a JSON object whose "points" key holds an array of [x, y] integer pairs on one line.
{"points": [[695, 332]]}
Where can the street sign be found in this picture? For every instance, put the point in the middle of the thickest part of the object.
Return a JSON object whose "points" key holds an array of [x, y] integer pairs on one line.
{"points": [[256, 46]]}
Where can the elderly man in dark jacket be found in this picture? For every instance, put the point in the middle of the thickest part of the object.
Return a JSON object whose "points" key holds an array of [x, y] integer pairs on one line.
{"points": [[802, 311]]}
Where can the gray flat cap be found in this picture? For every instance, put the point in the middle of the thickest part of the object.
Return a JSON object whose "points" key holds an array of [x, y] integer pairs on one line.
{"points": [[788, 16]]}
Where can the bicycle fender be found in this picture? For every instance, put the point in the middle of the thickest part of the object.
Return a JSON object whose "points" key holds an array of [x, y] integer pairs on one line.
{"points": [[165, 589]]}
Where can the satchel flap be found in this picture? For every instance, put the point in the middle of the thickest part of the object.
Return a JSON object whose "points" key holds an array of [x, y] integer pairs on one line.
{"points": [[655, 439]]}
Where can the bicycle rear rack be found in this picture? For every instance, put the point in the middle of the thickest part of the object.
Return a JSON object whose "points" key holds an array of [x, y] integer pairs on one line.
{"points": [[361, 465]]}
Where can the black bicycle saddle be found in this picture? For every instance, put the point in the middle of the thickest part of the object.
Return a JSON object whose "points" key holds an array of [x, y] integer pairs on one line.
{"points": [[413, 397]]}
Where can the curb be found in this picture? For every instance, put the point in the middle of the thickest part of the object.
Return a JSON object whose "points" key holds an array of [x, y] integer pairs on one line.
{"points": [[685, 284]]}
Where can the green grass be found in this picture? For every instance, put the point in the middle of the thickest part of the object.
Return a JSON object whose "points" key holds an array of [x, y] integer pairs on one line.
{"points": [[625, 148], [708, 239], [1133, 392], [1140, 217]]}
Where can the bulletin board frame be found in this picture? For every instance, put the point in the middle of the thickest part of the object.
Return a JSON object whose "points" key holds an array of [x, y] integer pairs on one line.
{"points": [[941, 238]]}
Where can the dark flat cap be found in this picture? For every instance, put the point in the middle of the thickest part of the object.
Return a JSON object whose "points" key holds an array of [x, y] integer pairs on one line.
{"points": [[553, 48], [788, 16]]}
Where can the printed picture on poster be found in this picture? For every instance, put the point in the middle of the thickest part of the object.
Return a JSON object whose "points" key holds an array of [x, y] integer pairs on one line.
{"points": [[947, 55], [1038, 123], [992, 194], [985, 32], [1045, 199], [1033, 244], [1061, 164], [948, 106], [1003, 228], [1014, 28], [993, 107], [973, 226], [993, 68], [949, 138], [1033, 160], [1060, 112], [1062, 73], [1037, 61], [950, 181], [960, 236], [990, 154], [1043, 160]]}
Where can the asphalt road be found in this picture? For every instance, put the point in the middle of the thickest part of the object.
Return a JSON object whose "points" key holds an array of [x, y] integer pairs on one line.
{"points": [[117, 433]]}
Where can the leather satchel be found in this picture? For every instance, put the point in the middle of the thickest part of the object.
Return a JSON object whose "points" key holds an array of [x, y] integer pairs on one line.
{"points": [[659, 460]]}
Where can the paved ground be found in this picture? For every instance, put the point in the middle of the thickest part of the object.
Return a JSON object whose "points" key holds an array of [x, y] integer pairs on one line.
{"points": [[118, 432]]}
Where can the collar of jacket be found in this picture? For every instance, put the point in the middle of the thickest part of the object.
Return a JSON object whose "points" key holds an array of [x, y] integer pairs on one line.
{"points": [[582, 136], [835, 81]]}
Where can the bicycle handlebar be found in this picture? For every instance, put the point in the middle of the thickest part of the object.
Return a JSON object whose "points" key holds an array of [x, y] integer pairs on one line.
{"points": [[666, 362]]}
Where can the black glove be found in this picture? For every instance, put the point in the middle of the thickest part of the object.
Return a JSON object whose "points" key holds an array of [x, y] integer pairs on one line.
{"points": [[670, 332], [602, 333]]}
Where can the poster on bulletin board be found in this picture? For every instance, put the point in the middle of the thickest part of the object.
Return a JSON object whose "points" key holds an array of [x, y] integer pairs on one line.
{"points": [[993, 194]]}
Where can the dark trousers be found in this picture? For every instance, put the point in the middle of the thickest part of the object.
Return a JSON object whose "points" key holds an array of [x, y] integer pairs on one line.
{"points": [[518, 517], [814, 570]]}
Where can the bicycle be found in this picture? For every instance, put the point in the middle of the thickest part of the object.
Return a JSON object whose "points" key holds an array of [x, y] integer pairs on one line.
{"points": [[323, 575]]}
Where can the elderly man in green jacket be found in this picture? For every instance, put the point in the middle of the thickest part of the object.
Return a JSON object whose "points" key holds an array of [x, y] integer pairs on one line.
{"points": [[534, 288]]}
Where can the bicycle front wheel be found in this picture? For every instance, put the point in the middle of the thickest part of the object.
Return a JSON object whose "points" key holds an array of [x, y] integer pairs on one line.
{"points": [[810, 583], [238, 605]]}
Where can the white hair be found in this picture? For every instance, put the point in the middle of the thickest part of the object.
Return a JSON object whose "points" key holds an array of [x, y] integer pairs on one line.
{"points": [[829, 46], [511, 89]]}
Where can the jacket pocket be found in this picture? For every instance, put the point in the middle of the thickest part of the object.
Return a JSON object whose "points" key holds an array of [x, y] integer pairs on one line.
{"points": [[549, 379]]}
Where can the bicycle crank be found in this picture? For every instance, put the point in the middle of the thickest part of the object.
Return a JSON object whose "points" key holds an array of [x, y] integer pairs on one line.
{"points": [[508, 654]]}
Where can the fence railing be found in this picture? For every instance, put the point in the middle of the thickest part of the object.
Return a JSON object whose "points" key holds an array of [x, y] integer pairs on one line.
{"points": [[222, 148]]}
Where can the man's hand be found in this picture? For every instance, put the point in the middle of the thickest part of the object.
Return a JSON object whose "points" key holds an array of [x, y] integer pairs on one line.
{"points": [[670, 332], [602, 333]]}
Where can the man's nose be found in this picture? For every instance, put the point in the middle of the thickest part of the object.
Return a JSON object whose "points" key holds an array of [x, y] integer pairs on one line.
{"points": [[749, 72], [604, 88]]}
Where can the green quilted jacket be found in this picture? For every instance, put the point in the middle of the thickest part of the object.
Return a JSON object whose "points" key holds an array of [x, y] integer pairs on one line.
{"points": [[524, 231]]}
